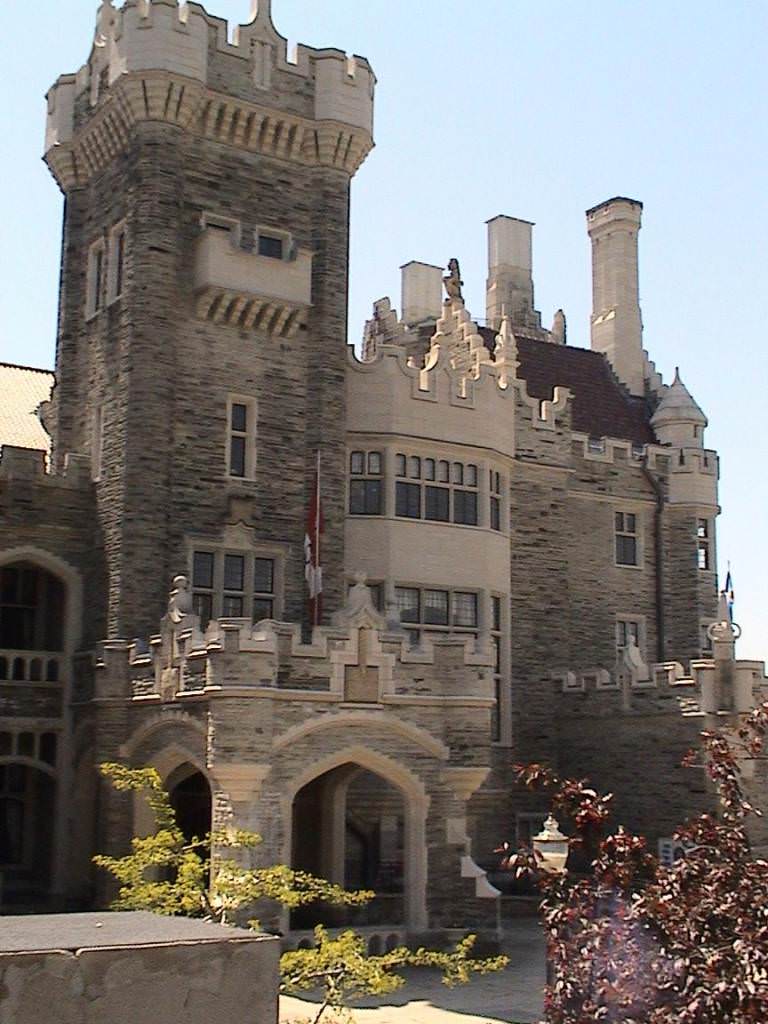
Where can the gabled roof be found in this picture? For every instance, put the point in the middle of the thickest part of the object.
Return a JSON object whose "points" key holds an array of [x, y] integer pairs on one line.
{"points": [[601, 406], [23, 389]]}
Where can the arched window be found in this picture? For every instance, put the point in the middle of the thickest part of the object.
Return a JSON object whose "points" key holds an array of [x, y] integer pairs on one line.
{"points": [[31, 608]]}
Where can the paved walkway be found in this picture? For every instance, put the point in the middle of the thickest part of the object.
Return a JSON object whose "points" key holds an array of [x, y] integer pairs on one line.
{"points": [[512, 995]]}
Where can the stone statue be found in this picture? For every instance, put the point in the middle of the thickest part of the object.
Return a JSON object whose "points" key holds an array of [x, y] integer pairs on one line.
{"points": [[452, 281], [105, 19], [180, 601]]}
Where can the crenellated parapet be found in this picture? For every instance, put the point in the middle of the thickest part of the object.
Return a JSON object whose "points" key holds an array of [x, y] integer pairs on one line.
{"points": [[361, 660], [716, 685], [31, 466], [391, 391], [178, 65]]}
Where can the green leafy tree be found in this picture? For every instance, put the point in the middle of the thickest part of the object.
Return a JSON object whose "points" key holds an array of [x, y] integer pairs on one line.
{"points": [[167, 874]]}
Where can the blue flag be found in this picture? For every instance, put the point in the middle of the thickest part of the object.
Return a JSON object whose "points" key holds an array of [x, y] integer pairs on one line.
{"points": [[728, 591]]}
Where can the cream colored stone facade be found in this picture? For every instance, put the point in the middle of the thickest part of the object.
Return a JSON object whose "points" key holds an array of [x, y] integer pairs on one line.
{"points": [[532, 520]]}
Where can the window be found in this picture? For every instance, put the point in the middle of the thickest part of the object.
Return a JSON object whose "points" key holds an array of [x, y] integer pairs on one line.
{"points": [[241, 434], [704, 548], [94, 300], [365, 484], [628, 631], [496, 644], [626, 538], [449, 492], [408, 500], [233, 585], [272, 246], [494, 486], [117, 246], [432, 611], [31, 610]]}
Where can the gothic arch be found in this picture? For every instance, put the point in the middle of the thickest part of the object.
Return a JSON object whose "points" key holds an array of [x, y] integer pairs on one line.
{"points": [[159, 722], [416, 802], [350, 719], [65, 572]]}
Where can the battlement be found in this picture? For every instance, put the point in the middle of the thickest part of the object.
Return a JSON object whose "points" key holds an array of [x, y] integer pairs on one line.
{"points": [[430, 397], [176, 63], [716, 685], [31, 465], [361, 659]]}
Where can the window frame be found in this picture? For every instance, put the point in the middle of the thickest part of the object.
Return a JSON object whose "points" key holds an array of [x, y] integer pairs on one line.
{"points": [[116, 262], [96, 278], [461, 480], [417, 628], [637, 621], [372, 481], [623, 532], [248, 435], [217, 593], [277, 234], [705, 543]]}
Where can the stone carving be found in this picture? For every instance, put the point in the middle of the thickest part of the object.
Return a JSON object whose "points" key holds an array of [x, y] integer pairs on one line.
{"points": [[452, 281], [360, 610], [382, 329], [180, 601], [632, 662], [105, 20]]}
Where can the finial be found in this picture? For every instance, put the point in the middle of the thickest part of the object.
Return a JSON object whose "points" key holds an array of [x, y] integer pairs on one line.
{"points": [[452, 281], [261, 9], [559, 328]]}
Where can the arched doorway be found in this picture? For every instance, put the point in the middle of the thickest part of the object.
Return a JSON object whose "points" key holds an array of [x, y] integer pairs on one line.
{"points": [[348, 825], [190, 796], [27, 809]]}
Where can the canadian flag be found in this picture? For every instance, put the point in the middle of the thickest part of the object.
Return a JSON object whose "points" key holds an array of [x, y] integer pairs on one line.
{"points": [[313, 572]]}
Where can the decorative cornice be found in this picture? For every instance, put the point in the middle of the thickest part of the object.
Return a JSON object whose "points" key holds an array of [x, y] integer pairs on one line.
{"points": [[173, 99]]}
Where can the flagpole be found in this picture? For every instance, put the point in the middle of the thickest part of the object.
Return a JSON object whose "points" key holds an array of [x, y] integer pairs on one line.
{"points": [[316, 607]]}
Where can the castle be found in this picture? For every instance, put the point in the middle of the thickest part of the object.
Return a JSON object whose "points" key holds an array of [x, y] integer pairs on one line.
{"points": [[517, 536]]}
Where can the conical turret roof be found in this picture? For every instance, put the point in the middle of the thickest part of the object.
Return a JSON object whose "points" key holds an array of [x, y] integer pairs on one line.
{"points": [[677, 406]]}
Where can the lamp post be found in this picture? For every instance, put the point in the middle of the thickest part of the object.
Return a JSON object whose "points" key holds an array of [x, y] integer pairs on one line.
{"points": [[551, 847]]}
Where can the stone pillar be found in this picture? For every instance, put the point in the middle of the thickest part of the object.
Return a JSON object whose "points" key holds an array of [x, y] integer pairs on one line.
{"points": [[617, 329]]}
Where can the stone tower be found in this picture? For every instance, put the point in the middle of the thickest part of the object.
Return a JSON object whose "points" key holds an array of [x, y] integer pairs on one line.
{"points": [[202, 324]]}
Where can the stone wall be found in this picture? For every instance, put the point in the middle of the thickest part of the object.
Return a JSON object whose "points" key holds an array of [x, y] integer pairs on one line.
{"points": [[134, 969]]}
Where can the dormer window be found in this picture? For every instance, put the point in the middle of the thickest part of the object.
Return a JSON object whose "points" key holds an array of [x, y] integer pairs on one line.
{"points": [[271, 246]]}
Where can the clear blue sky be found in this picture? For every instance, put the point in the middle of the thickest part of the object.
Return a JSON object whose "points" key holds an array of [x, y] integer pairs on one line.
{"points": [[534, 109]]}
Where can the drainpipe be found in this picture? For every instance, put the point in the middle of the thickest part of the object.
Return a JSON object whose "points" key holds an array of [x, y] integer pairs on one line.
{"points": [[659, 551]]}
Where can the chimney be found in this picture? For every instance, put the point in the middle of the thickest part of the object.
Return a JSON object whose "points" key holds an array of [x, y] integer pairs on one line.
{"points": [[510, 280], [422, 292], [617, 328]]}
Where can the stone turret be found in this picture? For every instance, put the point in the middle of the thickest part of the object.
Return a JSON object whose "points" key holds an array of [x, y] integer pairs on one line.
{"points": [[678, 420], [204, 290], [617, 329]]}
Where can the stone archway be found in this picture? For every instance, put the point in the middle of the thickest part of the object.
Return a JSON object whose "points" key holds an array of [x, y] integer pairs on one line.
{"points": [[363, 794], [190, 795], [27, 808]]}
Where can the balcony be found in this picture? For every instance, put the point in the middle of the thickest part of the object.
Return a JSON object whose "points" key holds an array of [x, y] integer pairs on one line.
{"points": [[32, 683], [248, 291], [30, 667]]}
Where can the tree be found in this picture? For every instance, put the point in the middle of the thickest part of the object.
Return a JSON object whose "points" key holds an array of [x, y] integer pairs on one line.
{"points": [[167, 874], [638, 942]]}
